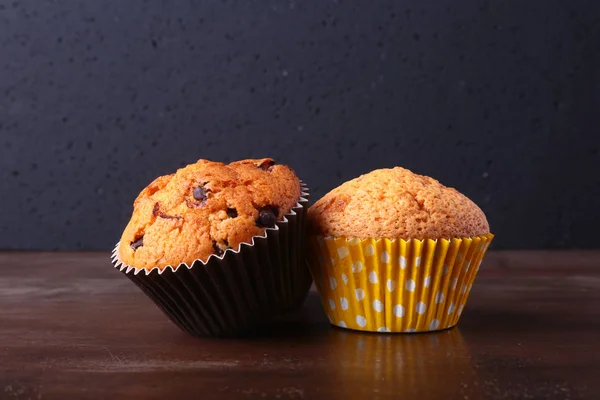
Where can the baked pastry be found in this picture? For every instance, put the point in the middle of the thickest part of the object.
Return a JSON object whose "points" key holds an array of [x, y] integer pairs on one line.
{"points": [[394, 251], [205, 209], [220, 248], [396, 203]]}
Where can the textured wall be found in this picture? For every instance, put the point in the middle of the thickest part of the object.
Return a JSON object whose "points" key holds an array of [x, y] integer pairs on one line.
{"points": [[500, 99]]}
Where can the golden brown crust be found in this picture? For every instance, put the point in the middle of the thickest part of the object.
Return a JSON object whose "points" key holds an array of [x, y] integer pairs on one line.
{"points": [[396, 203], [205, 208]]}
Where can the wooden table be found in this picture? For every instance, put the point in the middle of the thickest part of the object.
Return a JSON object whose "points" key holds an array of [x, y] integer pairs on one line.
{"points": [[72, 327]]}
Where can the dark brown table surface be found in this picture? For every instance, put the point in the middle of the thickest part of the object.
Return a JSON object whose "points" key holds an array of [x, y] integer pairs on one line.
{"points": [[73, 327]]}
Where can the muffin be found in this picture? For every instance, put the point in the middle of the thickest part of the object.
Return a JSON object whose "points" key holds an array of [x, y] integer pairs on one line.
{"points": [[393, 251], [219, 248]]}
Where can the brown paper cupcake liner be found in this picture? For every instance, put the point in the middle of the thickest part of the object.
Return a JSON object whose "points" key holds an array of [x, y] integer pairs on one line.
{"points": [[239, 291]]}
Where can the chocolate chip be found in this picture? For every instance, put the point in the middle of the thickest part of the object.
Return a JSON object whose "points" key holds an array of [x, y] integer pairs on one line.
{"points": [[200, 193], [192, 204], [231, 212], [165, 216], [157, 213], [218, 250], [137, 243], [267, 165], [267, 217]]}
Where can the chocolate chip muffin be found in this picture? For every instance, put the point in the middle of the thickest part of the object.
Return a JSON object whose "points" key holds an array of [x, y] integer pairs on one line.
{"points": [[206, 208], [220, 248], [397, 203], [394, 251]]}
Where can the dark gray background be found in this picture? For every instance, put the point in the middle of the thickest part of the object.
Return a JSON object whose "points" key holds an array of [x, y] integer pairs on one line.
{"points": [[500, 99]]}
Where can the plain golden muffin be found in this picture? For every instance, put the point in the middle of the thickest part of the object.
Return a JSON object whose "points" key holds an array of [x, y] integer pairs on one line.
{"points": [[206, 208], [396, 203]]}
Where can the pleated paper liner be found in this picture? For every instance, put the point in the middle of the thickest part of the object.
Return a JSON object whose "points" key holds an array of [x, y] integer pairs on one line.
{"points": [[401, 366], [238, 292], [395, 285]]}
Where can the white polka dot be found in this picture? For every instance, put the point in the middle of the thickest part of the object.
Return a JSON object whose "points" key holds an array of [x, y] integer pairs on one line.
{"points": [[383, 329], [402, 261], [451, 308], [453, 283], [391, 285], [434, 324], [418, 262], [463, 289], [353, 241], [361, 321], [360, 294], [342, 324], [427, 281], [343, 252], [421, 307], [410, 330], [460, 309], [445, 270], [357, 266], [410, 285], [343, 303], [377, 305], [332, 283], [373, 277], [369, 250], [384, 257], [345, 279], [398, 311], [332, 260], [439, 297], [332, 304]]}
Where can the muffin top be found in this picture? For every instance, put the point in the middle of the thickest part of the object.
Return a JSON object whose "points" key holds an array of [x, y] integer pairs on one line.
{"points": [[206, 208], [396, 203]]}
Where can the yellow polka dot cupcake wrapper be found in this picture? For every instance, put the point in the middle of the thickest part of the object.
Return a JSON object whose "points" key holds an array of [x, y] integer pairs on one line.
{"points": [[395, 285]]}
